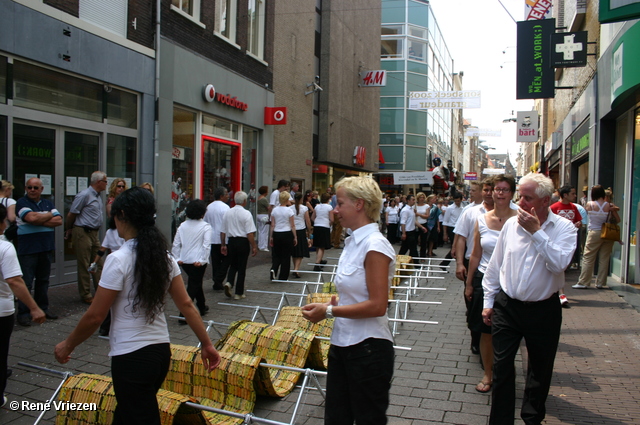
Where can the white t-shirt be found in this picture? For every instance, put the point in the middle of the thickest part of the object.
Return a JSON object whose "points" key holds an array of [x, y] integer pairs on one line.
{"points": [[350, 280], [112, 240], [408, 218], [392, 213], [214, 216], [488, 239], [9, 267], [274, 199], [192, 243], [322, 215], [421, 209], [281, 215], [238, 223], [130, 330], [298, 219]]}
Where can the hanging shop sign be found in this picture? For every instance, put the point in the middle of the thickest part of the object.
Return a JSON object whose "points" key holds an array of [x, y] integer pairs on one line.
{"points": [[376, 78], [537, 9], [471, 176], [209, 94], [425, 177], [479, 132], [458, 99], [359, 155], [535, 75], [527, 123], [275, 115], [569, 49]]}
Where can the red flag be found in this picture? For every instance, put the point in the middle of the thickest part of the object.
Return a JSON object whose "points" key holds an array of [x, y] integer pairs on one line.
{"points": [[275, 116]]}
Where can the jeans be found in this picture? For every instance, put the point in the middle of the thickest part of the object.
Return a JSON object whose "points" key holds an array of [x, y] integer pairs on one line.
{"points": [[358, 383], [137, 377], [36, 266]]}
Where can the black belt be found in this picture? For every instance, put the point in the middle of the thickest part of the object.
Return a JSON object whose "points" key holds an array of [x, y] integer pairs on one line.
{"points": [[89, 229], [531, 303]]}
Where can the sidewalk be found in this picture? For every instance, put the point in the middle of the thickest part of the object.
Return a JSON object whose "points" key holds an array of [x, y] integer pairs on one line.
{"points": [[596, 379]]}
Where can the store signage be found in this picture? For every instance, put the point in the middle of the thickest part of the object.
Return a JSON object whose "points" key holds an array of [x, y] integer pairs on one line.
{"points": [[580, 140], [209, 94], [490, 171], [477, 132], [535, 75], [537, 9], [275, 115], [322, 169], [569, 49], [425, 177], [527, 123], [618, 10], [359, 155], [373, 78], [458, 99], [471, 176], [178, 153]]}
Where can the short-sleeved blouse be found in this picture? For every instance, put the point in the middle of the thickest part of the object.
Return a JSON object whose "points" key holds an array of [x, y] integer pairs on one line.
{"points": [[488, 239]]}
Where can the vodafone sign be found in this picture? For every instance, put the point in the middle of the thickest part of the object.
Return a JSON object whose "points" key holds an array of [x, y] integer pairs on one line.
{"points": [[209, 94], [275, 116]]}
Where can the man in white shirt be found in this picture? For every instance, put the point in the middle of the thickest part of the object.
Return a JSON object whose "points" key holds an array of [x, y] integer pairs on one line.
{"points": [[408, 225], [239, 227], [521, 286], [451, 215], [214, 216], [274, 198]]}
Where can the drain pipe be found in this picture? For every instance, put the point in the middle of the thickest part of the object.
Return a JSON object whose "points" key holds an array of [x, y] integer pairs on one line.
{"points": [[156, 121]]}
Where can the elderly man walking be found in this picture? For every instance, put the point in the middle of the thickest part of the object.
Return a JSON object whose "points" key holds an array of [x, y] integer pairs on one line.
{"points": [[239, 227], [37, 218], [521, 286], [83, 225]]}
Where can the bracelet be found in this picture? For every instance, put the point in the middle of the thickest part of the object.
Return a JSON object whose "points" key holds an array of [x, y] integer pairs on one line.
{"points": [[328, 314]]}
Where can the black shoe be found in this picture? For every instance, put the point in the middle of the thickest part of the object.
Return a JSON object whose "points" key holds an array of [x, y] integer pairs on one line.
{"points": [[272, 275], [24, 321], [218, 288], [204, 310], [182, 322], [317, 269], [475, 349], [103, 332], [50, 316]]}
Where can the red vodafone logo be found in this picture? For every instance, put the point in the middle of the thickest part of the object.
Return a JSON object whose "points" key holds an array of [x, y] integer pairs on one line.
{"points": [[209, 93], [278, 115]]}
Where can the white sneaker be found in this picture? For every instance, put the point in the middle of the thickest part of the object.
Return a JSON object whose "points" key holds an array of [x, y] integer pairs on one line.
{"points": [[4, 400], [578, 286], [265, 250], [239, 297], [227, 289]]}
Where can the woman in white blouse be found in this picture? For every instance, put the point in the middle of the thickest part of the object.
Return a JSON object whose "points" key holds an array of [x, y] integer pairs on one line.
{"points": [[283, 238], [303, 230], [322, 220], [391, 213], [361, 355], [191, 248]]}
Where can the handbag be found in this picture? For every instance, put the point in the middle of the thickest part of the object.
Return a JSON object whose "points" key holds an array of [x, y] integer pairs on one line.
{"points": [[11, 232], [610, 231]]}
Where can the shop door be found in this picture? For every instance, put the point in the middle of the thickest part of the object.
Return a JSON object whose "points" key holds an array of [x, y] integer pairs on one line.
{"points": [[64, 160], [222, 167]]}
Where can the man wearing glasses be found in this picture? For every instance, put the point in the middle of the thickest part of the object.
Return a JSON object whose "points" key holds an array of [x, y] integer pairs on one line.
{"points": [[83, 224], [36, 218]]}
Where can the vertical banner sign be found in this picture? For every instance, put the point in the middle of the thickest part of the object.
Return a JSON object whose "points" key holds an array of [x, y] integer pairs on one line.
{"points": [[534, 75], [527, 126]]}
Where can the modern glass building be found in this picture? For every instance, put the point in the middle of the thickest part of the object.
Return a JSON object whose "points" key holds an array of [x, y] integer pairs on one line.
{"points": [[416, 58]]}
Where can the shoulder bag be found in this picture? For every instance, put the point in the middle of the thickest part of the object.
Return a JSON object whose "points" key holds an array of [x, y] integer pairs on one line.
{"points": [[610, 231]]}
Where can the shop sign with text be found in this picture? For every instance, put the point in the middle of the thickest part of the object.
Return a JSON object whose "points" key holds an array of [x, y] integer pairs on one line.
{"points": [[535, 75], [209, 94], [527, 123], [373, 78], [458, 99], [537, 9]]}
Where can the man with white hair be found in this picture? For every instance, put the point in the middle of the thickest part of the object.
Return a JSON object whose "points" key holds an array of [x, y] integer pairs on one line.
{"points": [[84, 220], [521, 286], [239, 227]]}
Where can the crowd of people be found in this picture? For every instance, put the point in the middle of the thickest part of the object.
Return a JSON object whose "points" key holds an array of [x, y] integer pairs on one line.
{"points": [[511, 258]]}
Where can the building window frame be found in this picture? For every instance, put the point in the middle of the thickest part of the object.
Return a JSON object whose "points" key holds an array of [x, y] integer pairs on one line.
{"points": [[256, 11], [193, 15], [228, 20]]}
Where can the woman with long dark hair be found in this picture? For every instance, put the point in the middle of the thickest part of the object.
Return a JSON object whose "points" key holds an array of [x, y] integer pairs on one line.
{"points": [[134, 285]]}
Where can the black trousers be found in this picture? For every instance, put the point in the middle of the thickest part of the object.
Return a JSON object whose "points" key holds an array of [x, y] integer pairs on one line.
{"points": [[539, 324], [219, 266], [281, 254], [6, 328], [137, 377], [238, 250], [410, 244], [358, 383], [194, 284], [392, 232], [424, 241]]}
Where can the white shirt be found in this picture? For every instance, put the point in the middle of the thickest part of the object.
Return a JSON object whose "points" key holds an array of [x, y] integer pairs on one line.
{"points": [[451, 215], [298, 219], [130, 331], [322, 215], [421, 209], [112, 240], [281, 215], [393, 215], [214, 216], [9, 267], [238, 223], [274, 199], [408, 218], [530, 267], [192, 243], [350, 280], [442, 211], [488, 240]]}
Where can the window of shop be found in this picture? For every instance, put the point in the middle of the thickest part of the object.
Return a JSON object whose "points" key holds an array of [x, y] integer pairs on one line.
{"points": [[222, 165], [221, 128], [122, 108], [3, 79], [635, 198], [121, 157], [255, 36], [49, 91], [182, 180], [225, 19]]}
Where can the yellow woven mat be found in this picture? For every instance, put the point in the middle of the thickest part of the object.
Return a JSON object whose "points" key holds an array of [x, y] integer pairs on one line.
{"points": [[90, 388], [229, 386], [274, 344], [291, 317]]}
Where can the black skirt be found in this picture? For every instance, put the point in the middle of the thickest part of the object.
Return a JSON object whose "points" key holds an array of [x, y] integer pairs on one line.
{"points": [[301, 250], [474, 318], [322, 237]]}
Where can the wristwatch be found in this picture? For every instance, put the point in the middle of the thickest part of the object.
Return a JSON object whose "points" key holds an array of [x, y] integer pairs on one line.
{"points": [[328, 314]]}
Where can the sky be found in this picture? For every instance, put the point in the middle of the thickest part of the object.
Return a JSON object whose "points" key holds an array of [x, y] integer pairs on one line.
{"points": [[477, 32]]}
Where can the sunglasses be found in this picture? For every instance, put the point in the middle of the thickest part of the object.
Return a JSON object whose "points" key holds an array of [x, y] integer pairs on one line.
{"points": [[121, 185], [33, 187]]}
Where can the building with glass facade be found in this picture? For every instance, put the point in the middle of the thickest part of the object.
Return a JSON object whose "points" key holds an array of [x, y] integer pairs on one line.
{"points": [[416, 58]]}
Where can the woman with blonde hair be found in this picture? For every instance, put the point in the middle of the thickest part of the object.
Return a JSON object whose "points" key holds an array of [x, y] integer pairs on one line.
{"points": [[598, 210], [6, 193], [361, 355], [118, 185]]}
